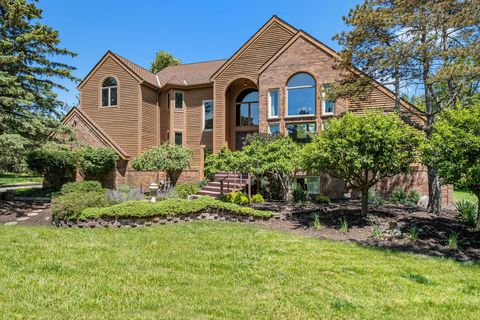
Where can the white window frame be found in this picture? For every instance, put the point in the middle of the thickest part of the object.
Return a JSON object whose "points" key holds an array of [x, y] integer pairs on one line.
{"points": [[203, 113], [109, 88], [287, 115], [324, 100], [270, 116], [175, 100]]}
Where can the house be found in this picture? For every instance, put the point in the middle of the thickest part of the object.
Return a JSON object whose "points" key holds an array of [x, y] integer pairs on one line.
{"points": [[275, 83]]}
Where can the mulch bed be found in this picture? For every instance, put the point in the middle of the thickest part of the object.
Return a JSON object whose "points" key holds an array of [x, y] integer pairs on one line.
{"points": [[31, 213], [433, 230]]}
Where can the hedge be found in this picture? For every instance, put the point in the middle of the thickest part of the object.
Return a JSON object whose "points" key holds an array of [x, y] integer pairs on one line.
{"points": [[70, 206], [82, 186], [169, 207]]}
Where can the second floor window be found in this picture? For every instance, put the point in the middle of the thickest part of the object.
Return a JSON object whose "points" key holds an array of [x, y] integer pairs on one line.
{"points": [[301, 95], [208, 115], [178, 100], [109, 92]]}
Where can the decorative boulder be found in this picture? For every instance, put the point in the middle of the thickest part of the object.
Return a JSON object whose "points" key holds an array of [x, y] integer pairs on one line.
{"points": [[423, 202]]}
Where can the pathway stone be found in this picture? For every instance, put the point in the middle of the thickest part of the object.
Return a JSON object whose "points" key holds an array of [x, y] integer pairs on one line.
{"points": [[23, 218], [33, 214], [11, 223]]}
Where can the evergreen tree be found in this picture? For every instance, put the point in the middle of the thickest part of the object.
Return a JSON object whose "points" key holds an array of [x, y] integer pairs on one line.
{"points": [[432, 46]]}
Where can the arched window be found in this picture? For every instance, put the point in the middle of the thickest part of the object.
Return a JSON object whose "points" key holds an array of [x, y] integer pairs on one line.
{"points": [[109, 92], [301, 95], [247, 108]]}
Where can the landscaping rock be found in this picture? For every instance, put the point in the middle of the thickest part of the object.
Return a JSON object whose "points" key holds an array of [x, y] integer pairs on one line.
{"points": [[423, 202], [11, 223], [23, 219]]}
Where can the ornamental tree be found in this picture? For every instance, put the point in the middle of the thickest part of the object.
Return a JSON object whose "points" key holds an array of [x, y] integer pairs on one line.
{"points": [[162, 60], [171, 158], [454, 148], [95, 163], [363, 150]]}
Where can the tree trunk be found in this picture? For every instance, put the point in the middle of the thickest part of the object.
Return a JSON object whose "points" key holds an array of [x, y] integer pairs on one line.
{"points": [[434, 191], [364, 201]]}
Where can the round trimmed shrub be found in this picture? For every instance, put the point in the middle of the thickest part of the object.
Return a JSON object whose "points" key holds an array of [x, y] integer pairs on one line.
{"points": [[81, 186], [257, 198], [95, 163], [183, 190]]}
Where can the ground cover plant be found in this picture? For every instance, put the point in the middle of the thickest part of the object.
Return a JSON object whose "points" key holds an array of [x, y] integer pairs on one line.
{"points": [[223, 271]]}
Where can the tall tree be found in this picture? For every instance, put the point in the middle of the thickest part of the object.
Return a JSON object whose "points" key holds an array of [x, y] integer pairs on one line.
{"points": [[28, 72], [162, 60], [431, 47]]}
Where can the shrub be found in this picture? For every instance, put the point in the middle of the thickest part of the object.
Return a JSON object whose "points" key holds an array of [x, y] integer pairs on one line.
{"points": [[236, 197], [169, 207], [321, 199], [398, 196], [257, 198], [468, 211], [55, 162], [70, 206], [124, 193], [412, 198], [374, 198], [167, 193], [183, 190], [81, 186], [414, 234], [299, 194], [95, 163]]}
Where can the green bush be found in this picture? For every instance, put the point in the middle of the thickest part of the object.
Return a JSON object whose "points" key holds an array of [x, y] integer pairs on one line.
{"points": [[400, 196], [374, 198], [321, 199], [70, 206], [55, 162], [236, 197], [468, 211], [183, 190], [81, 186], [94, 163], [299, 194], [413, 197], [169, 207], [257, 198]]}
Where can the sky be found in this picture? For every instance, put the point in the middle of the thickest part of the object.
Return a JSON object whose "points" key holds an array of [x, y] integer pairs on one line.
{"points": [[190, 30]]}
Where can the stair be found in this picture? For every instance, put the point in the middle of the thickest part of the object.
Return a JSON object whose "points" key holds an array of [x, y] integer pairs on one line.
{"points": [[230, 181]]}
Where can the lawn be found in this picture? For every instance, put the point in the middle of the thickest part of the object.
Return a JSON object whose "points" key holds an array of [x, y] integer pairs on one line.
{"points": [[459, 195], [221, 270], [18, 178]]}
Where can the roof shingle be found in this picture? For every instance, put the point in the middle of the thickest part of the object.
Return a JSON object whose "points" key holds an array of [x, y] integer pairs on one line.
{"points": [[189, 74]]}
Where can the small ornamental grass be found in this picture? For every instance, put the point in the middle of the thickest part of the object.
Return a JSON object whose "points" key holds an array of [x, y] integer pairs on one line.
{"points": [[468, 211], [169, 207]]}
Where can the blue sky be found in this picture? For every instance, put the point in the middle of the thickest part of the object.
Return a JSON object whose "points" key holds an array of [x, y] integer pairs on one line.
{"points": [[190, 30]]}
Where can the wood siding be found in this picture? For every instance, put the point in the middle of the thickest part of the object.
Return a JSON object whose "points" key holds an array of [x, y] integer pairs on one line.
{"points": [[150, 118], [120, 122]]}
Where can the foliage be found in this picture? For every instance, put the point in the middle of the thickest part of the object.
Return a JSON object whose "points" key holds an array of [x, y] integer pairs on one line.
{"points": [[202, 183], [124, 193], [453, 240], [363, 150], [414, 232], [343, 225], [29, 73], [224, 161], [237, 197], [162, 60], [81, 186], [400, 196], [55, 162], [12, 153], [429, 45], [455, 145], [183, 190], [94, 163], [376, 232], [166, 193], [468, 211], [171, 158], [374, 198], [257, 198], [321, 199], [317, 225], [18, 178], [70, 206], [35, 192], [169, 207], [299, 194]]}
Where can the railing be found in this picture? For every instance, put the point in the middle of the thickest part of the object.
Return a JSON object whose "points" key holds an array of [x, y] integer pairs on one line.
{"points": [[241, 182]]}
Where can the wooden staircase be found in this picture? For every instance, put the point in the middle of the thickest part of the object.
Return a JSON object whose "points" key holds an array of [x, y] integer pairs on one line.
{"points": [[226, 182]]}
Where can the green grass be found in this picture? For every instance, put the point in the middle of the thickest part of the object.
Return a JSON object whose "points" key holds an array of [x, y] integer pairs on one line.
{"points": [[35, 192], [18, 178], [459, 194], [206, 270]]}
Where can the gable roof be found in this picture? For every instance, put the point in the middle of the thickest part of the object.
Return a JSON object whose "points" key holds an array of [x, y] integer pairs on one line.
{"points": [[96, 130], [190, 74], [141, 74], [273, 20]]}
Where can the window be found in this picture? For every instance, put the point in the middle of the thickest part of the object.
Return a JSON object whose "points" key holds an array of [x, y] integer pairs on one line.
{"points": [[301, 132], [109, 92], [247, 108], [301, 95], [208, 115], [328, 105], [168, 135], [168, 101], [274, 129], [310, 184], [178, 100], [273, 103], [178, 138]]}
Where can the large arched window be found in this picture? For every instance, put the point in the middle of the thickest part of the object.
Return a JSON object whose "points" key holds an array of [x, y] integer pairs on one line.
{"points": [[109, 92], [247, 108], [301, 95]]}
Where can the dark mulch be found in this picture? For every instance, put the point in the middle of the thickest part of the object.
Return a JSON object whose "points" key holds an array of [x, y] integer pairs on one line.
{"points": [[433, 230], [33, 213]]}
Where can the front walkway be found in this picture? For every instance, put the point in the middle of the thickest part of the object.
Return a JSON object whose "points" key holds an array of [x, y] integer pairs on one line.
{"points": [[31, 213]]}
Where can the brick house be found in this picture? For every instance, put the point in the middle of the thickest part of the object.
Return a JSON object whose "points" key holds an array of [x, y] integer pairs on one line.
{"points": [[274, 83]]}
